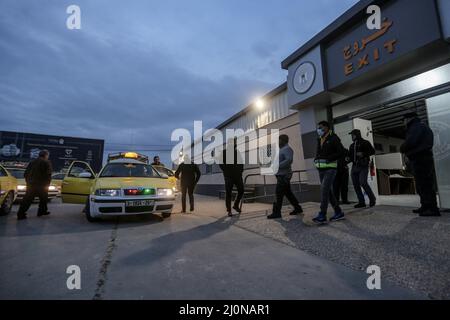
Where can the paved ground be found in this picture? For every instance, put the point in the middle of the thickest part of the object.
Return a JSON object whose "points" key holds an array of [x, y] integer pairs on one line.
{"points": [[207, 256]]}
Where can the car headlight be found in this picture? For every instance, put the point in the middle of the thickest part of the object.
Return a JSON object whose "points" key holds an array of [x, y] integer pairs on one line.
{"points": [[107, 192], [52, 188], [21, 187], [165, 192]]}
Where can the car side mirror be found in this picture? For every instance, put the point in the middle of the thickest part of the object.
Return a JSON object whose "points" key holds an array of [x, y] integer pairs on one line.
{"points": [[85, 175]]}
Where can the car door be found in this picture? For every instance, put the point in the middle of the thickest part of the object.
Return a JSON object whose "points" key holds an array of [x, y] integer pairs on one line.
{"points": [[77, 184]]}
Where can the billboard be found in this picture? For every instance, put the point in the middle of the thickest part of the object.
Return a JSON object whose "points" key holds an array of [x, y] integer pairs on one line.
{"points": [[23, 147]]}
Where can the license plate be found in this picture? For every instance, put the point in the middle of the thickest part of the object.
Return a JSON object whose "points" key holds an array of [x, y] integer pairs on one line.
{"points": [[140, 203]]}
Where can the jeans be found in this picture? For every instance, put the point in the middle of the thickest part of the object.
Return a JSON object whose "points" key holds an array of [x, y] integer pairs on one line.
{"points": [[359, 178], [423, 171], [34, 191], [327, 178], [230, 182], [284, 189]]}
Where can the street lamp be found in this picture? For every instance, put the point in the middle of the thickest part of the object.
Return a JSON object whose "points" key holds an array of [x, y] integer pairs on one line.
{"points": [[260, 104]]}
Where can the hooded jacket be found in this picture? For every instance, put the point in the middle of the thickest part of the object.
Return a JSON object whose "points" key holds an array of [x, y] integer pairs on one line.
{"points": [[419, 140], [363, 146]]}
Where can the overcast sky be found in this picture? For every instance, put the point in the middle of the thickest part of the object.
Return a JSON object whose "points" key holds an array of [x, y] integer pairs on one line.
{"points": [[138, 69]]}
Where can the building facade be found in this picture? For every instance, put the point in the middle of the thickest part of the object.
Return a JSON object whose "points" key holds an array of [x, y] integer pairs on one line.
{"points": [[368, 79]]}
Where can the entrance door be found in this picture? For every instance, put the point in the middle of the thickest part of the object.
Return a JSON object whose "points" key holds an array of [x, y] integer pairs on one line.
{"points": [[439, 120], [343, 130]]}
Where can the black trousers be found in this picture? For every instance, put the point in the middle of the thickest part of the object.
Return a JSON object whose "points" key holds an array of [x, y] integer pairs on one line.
{"points": [[230, 182], [423, 171], [284, 189], [32, 192], [187, 189], [340, 187]]}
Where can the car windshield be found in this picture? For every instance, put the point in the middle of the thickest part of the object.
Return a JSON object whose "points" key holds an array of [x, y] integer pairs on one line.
{"points": [[18, 174], [124, 170]]}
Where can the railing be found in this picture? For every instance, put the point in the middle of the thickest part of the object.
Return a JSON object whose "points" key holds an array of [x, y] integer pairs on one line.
{"points": [[265, 195]]}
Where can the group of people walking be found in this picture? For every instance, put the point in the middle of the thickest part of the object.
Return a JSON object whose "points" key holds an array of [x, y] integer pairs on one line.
{"points": [[332, 162]]}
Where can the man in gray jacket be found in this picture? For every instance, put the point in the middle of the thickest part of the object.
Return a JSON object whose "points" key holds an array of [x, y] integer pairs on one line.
{"points": [[284, 176]]}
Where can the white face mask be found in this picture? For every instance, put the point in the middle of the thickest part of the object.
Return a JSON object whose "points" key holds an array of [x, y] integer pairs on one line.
{"points": [[320, 132]]}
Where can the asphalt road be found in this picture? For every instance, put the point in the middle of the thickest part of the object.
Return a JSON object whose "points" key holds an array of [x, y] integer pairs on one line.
{"points": [[183, 257]]}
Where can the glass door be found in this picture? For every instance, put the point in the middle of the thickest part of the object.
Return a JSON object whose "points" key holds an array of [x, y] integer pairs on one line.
{"points": [[439, 118]]}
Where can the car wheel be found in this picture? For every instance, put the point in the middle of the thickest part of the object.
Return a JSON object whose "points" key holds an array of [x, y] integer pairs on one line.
{"points": [[6, 206], [166, 214], [87, 211]]}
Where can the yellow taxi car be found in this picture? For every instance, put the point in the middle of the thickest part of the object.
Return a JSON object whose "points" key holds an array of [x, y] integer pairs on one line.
{"points": [[8, 191], [126, 185], [18, 173]]}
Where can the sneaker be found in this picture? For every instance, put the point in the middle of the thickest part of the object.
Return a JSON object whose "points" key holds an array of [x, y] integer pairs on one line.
{"points": [[373, 203], [296, 211], [360, 205], [230, 214], [337, 216], [274, 216], [430, 213], [43, 214], [320, 219], [236, 207]]}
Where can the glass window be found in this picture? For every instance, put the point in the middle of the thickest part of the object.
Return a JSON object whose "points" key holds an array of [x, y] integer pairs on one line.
{"points": [[3, 172], [79, 168], [18, 174], [122, 170]]}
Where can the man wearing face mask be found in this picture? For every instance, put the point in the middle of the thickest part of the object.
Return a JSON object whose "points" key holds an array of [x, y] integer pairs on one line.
{"points": [[329, 151], [360, 152], [418, 147]]}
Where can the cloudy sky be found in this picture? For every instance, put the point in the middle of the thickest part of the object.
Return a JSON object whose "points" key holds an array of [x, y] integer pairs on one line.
{"points": [[139, 69]]}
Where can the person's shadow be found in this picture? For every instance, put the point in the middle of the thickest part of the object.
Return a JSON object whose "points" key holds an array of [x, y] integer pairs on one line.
{"points": [[169, 243]]}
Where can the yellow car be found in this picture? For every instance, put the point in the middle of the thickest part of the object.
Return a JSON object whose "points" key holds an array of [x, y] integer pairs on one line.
{"points": [[126, 185], [8, 187], [18, 173], [170, 176]]}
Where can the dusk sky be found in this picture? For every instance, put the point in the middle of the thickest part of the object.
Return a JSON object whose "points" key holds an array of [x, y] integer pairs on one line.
{"points": [[139, 69]]}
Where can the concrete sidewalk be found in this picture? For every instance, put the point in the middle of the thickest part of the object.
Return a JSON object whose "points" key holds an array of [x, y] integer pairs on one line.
{"points": [[411, 251]]}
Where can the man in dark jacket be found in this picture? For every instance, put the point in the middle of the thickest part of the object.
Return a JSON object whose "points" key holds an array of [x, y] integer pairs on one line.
{"points": [[38, 176], [284, 176], [189, 174], [418, 147], [360, 152], [232, 173], [157, 162], [342, 177], [329, 151]]}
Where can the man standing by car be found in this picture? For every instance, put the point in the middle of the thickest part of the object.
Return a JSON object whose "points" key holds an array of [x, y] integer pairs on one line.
{"points": [[418, 147], [157, 162], [360, 152], [232, 173], [329, 151], [38, 176], [190, 175], [284, 176]]}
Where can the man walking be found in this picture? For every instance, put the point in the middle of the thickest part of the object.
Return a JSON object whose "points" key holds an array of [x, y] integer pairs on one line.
{"points": [[38, 176], [342, 177], [360, 152], [232, 173], [284, 176], [418, 147], [329, 151], [190, 175]]}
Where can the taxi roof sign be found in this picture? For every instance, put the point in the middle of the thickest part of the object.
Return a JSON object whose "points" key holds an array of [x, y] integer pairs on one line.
{"points": [[128, 155]]}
